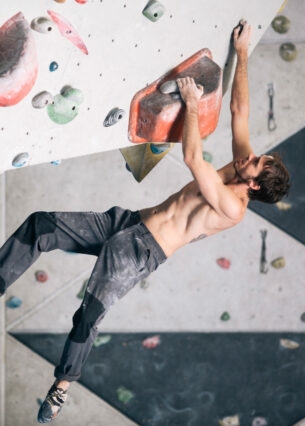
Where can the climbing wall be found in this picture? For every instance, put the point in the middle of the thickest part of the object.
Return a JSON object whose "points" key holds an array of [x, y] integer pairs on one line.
{"points": [[86, 59]]}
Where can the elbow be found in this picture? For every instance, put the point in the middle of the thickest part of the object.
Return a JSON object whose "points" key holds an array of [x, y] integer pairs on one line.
{"points": [[241, 109], [188, 160]]}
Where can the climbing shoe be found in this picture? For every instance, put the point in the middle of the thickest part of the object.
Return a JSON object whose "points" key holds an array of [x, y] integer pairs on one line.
{"points": [[52, 405]]}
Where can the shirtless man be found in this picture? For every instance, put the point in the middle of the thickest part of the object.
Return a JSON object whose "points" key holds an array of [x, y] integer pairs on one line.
{"points": [[130, 245]]}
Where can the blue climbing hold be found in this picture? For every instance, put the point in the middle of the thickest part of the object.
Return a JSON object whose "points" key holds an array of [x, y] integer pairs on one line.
{"points": [[13, 302], [53, 66], [159, 148]]}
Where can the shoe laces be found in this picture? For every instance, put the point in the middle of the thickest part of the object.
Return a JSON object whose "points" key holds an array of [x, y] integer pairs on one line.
{"points": [[56, 396]]}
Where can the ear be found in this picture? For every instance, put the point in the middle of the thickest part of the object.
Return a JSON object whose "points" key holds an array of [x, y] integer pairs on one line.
{"points": [[253, 185]]}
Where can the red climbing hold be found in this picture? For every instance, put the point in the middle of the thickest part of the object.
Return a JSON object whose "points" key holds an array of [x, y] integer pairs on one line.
{"points": [[151, 342], [223, 263], [157, 116], [41, 276]]}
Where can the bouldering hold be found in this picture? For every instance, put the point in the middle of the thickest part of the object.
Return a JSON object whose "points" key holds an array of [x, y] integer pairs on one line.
{"points": [[225, 316], [151, 342], [42, 99], [18, 60], [207, 156], [113, 117], [42, 25], [278, 263], [144, 284], [56, 162], [153, 10], [159, 148], [223, 263], [81, 293], [53, 66], [280, 24], [259, 421], [41, 276], [102, 340], [288, 52], [13, 302], [60, 1], [281, 205], [300, 423], [303, 317], [74, 95], [124, 395], [68, 31], [289, 344], [81, 1], [230, 421], [157, 117], [170, 86], [39, 401], [21, 160], [65, 106]]}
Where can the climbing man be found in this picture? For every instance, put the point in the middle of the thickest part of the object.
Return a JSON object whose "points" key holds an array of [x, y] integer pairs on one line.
{"points": [[130, 245]]}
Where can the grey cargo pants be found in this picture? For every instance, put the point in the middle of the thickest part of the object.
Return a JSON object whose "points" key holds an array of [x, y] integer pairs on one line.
{"points": [[126, 253]]}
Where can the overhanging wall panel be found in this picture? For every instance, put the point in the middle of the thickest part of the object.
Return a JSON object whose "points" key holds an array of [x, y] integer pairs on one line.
{"points": [[126, 52]]}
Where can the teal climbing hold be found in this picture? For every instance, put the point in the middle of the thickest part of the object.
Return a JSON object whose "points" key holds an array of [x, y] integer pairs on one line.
{"points": [[102, 340], [225, 316], [159, 148], [124, 395], [13, 302]]}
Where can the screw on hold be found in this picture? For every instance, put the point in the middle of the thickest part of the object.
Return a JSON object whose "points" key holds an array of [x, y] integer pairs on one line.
{"points": [[42, 25], [41, 276], [169, 86], [151, 342], [124, 395], [13, 302], [223, 263], [263, 261], [159, 148], [225, 316], [288, 52], [271, 120], [207, 156], [82, 292], [42, 99], [259, 421], [21, 160], [153, 10], [113, 117], [278, 263], [280, 24], [102, 340], [53, 66]]}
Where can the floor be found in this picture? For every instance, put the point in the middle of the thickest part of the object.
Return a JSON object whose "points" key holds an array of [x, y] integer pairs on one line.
{"points": [[190, 282]]}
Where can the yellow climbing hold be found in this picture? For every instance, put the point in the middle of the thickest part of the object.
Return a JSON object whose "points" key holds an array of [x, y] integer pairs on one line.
{"points": [[230, 421], [278, 263]]}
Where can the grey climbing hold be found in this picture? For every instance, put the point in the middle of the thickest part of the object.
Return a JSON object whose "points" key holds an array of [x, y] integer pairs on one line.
{"points": [[113, 117], [280, 24], [259, 421], [42, 24], [289, 344], [159, 148], [153, 10], [288, 52], [74, 95], [42, 99], [13, 302], [169, 86], [21, 160]]}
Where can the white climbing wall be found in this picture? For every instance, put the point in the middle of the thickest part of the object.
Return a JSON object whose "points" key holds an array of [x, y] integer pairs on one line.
{"points": [[127, 51]]}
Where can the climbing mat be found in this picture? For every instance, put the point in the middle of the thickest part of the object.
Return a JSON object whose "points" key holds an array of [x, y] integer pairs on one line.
{"points": [[289, 214], [253, 378]]}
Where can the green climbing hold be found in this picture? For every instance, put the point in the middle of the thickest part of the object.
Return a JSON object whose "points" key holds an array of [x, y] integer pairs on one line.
{"points": [[102, 340], [82, 292], [225, 316], [207, 156], [280, 24], [124, 395]]}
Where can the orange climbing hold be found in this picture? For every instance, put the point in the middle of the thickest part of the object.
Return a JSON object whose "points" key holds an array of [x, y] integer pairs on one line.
{"points": [[158, 117]]}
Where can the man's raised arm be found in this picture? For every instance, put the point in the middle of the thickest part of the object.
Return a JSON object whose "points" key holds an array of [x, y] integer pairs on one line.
{"points": [[240, 93]]}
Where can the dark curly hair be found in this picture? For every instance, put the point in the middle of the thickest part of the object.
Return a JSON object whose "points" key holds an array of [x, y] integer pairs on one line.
{"points": [[273, 181]]}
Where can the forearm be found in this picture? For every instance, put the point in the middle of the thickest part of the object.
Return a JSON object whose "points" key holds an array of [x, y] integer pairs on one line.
{"points": [[191, 139], [240, 89]]}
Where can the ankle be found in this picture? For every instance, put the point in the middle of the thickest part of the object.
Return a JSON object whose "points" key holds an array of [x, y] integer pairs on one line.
{"points": [[62, 384]]}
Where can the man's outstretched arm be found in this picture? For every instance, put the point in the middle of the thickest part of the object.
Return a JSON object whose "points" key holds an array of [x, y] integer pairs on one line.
{"points": [[219, 196], [240, 93]]}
